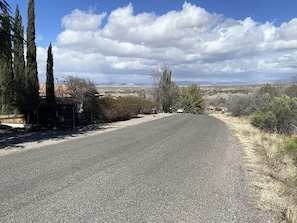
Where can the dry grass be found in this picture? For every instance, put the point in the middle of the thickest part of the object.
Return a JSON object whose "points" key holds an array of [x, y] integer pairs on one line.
{"points": [[271, 170]]}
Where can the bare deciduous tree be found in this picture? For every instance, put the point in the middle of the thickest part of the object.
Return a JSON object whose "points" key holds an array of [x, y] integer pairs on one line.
{"points": [[79, 89], [165, 88]]}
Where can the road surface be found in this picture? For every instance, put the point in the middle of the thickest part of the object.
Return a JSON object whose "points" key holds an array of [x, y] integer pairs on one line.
{"points": [[182, 168]]}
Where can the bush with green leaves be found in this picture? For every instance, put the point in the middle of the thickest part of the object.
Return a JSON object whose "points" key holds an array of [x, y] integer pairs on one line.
{"points": [[291, 90], [192, 99], [265, 120], [290, 146], [277, 115]]}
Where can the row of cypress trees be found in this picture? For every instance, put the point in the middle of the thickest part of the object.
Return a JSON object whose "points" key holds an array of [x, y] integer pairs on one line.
{"points": [[19, 84]]}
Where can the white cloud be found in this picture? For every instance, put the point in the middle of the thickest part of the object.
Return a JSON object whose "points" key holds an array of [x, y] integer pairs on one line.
{"points": [[197, 45], [82, 21]]}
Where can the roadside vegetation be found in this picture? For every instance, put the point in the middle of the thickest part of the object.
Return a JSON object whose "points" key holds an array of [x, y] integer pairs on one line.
{"points": [[165, 96], [171, 97], [264, 120]]}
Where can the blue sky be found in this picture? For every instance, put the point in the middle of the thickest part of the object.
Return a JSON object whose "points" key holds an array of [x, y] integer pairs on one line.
{"points": [[202, 41]]}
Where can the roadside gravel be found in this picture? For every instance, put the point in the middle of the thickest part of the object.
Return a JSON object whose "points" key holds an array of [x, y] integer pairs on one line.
{"points": [[13, 141]]}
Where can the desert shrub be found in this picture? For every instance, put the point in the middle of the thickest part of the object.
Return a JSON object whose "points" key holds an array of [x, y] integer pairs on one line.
{"points": [[291, 90], [217, 100], [114, 109], [123, 108], [278, 114], [245, 104], [148, 106], [290, 146], [269, 90], [107, 107], [265, 121]]}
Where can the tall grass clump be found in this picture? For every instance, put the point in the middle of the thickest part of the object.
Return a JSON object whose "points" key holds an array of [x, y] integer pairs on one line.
{"points": [[290, 146]]}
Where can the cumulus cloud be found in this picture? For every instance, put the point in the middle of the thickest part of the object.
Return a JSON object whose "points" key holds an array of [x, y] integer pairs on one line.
{"points": [[82, 21], [197, 45]]}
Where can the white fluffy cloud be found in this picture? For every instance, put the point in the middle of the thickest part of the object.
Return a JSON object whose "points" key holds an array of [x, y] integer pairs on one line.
{"points": [[197, 45]]}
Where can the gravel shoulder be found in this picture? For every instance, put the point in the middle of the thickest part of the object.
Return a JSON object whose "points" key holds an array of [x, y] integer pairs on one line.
{"points": [[12, 141]]}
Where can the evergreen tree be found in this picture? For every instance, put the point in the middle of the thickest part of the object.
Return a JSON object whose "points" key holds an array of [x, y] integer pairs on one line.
{"points": [[165, 85], [31, 79], [6, 72], [175, 96], [50, 87], [192, 99], [4, 8], [19, 61]]}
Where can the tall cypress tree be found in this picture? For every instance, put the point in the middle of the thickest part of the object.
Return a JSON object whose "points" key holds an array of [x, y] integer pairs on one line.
{"points": [[50, 87], [4, 8], [19, 61], [165, 84], [31, 80], [6, 72]]}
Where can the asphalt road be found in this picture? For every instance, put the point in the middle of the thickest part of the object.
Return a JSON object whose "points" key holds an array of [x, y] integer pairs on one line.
{"points": [[183, 168]]}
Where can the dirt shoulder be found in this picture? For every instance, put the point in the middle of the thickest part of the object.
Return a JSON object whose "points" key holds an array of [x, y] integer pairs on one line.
{"points": [[272, 173], [13, 141]]}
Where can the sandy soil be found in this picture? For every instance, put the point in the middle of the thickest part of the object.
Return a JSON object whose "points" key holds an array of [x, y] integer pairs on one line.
{"points": [[36, 142]]}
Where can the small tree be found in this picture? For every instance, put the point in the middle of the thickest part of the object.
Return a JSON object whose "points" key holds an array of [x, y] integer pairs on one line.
{"points": [[50, 87], [165, 89], [192, 99], [82, 92], [79, 88]]}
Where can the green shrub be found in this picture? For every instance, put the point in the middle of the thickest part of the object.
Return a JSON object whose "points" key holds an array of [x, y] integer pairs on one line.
{"points": [[290, 146], [269, 90], [244, 104], [278, 114], [265, 121]]}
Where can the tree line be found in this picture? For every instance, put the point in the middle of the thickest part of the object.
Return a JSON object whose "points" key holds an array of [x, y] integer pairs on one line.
{"points": [[19, 84], [18, 79], [170, 96], [166, 96]]}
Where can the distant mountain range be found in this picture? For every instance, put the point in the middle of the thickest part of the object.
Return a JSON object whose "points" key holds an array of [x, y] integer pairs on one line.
{"points": [[180, 83]]}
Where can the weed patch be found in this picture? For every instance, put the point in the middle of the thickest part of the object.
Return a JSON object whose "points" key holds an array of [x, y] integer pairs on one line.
{"points": [[271, 166]]}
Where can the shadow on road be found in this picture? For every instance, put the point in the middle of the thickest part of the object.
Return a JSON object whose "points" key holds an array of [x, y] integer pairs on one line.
{"points": [[11, 137]]}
